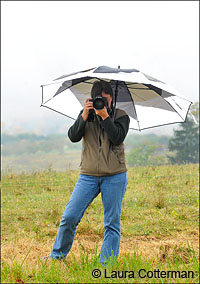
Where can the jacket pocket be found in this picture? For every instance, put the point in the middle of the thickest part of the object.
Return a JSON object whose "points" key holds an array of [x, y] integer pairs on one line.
{"points": [[118, 151]]}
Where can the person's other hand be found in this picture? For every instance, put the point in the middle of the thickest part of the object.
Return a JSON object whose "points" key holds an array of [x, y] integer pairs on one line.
{"points": [[103, 113], [87, 106]]}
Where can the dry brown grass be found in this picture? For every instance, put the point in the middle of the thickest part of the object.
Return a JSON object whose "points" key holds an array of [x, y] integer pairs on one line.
{"points": [[147, 246]]}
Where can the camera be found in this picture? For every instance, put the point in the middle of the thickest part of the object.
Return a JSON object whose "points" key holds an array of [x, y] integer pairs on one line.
{"points": [[99, 102]]}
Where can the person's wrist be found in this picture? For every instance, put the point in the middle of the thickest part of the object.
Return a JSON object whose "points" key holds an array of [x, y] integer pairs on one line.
{"points": [[84, 116], [105, 116]]}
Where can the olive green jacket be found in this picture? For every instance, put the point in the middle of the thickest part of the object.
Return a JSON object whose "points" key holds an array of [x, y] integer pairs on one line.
{"points": [[102, 144]]}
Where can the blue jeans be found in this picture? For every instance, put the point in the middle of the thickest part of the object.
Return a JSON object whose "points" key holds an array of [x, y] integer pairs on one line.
{"points": [[112, 190]]}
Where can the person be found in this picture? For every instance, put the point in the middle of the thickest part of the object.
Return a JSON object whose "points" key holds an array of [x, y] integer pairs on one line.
{"points": [[102, 170]]}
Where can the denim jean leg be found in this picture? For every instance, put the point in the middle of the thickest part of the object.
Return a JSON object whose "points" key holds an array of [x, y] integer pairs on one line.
{"points": [[112, 191], [86, 189]]}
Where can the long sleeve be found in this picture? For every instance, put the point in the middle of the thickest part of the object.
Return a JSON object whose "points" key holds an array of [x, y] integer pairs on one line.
{"points": [[76, 131], [116, 130]]}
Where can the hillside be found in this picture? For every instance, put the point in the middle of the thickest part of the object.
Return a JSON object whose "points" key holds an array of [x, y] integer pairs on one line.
{"points": [[30, 152]]}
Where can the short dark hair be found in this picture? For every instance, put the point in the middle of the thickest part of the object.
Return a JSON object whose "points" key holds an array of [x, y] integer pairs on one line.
{"points": [[99, 86]]}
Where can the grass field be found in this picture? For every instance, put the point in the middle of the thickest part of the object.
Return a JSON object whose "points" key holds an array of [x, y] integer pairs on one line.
{"points": [[159, 228]]}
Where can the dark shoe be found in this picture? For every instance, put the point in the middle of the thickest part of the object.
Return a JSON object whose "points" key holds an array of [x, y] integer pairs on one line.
{"points": [[46, 258]]}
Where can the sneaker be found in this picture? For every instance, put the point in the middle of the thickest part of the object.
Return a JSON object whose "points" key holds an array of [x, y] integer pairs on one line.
{"points": [[46, 258]]}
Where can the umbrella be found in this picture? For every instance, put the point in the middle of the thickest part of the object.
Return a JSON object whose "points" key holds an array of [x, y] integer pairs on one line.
{"points": [[148, 102]]}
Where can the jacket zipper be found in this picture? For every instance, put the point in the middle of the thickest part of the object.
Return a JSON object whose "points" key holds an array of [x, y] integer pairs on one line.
{"points": [[99, 152]]}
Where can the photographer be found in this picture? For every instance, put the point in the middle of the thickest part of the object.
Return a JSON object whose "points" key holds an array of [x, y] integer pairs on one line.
{"points": [[103, 170]]}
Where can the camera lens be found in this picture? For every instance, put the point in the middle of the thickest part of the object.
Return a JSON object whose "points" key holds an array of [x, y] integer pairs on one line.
{"points": [[98, 103]]}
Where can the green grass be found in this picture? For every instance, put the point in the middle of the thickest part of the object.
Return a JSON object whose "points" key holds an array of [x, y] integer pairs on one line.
{"points": [[159, 227]]}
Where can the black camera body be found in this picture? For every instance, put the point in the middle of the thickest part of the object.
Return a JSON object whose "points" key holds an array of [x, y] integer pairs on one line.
{"points": [[99, 102]]}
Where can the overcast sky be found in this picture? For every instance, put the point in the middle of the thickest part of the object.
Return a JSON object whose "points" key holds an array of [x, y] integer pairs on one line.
{"points": [[42, 40]]}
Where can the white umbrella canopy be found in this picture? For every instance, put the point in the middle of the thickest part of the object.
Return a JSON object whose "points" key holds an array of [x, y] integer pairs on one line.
{"points": [[148, 101]]}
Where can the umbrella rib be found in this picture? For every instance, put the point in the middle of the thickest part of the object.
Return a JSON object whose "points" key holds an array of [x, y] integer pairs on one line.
{"points": [[58, 112], [136, 114], [146, 89], [176, 103], [134, 107], [48, 100], [158, 125], [129, 128]]}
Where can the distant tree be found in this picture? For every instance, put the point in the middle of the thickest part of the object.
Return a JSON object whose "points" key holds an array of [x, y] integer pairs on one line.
{"points": [[195, 111], [133, 141], [184, 144], [146, 154]]}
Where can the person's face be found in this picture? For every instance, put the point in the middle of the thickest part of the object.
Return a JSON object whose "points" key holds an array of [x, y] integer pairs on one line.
{"points": [[108, 97]]}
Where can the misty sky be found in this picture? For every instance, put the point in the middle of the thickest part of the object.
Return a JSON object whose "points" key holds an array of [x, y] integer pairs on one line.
{"points": [[42, 40]]}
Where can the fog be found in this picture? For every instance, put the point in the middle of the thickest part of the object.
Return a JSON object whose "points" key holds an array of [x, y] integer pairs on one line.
{"points": [[42, 40]]}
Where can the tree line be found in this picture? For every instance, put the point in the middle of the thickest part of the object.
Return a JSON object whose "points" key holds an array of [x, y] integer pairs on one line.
{"points": [[181, 148], [141, 150]]}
